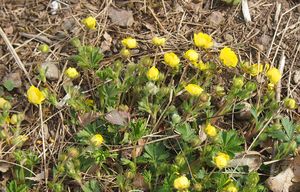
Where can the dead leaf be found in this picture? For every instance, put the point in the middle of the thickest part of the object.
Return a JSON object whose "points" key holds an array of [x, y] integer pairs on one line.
{"points": [[252, 159], [202, 135], [120, 17], [136, 152], [38, 177], [105, 45], [87, 118], [139, 182], [117, 117], [287, 180], [4, 167], [282, 181]]}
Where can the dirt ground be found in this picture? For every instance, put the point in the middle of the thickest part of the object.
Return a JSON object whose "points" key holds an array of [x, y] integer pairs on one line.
{"points": [[273, 32]]}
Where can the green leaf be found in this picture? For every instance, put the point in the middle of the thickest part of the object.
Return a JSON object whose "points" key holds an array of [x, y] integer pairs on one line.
{"points": [[186, 132], [156, 152], [14, 187], [88, 57], [230, 142], [288, 127], [91, 186], [9, 85]]}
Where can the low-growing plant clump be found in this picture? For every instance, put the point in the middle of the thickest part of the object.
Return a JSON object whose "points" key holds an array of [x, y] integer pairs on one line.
{"points": [[162, 122]]}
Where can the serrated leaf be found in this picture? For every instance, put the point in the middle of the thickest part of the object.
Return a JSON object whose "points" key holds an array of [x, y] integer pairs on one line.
{"points": [[156, 152], [91, 186], [288, 127], [186, 132], [9, 85]]}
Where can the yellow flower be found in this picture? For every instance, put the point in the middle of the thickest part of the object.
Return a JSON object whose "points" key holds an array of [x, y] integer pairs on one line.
{"points": [[255, 69], [129, 43], [230, 188], [171, 59], [153, 74], [228, 57], [34, 95], [274, 75], [290, 103], [271, 86], [221, 160], [158, 41], [191, 55], [201, 65], [181, 183], [203, 40], [72, 73], [125, 53], [193, 89], [210, 130], [90, 22], [4, 104], [96, 140]]}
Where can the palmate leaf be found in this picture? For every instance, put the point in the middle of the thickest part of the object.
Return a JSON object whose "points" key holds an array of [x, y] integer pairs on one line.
{"points": [[230, 142], [186, 132], [88, 57], [156, 153], [288, 127], [91, 186]]}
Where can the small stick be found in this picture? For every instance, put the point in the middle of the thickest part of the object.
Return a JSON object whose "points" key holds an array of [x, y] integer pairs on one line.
{"points": [[278, 9], [14, 54], [281, 68], [38, 37], [245, 10]]}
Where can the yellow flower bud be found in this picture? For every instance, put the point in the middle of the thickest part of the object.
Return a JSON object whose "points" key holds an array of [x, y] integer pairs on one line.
{"points": [[191, 55], [274, 75], [255, 69], [171, 59], [4, 104], [210, 130], [193, 89], [203, 40], [153, 74], [181, 183], [72, 73], [221, 160], [90, 22], [290, 103], [44, 48], [73, 152], [158, 41], [228, 57], [125, 53], [14, 119], [129, 43], [96, 140], [34, 95]]}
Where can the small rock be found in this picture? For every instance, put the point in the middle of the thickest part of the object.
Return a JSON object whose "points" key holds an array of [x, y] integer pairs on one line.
{"points": [[265, 40], [52, 71], [120, 17], [216, 18], [228, 37], [15, 78], [296, 77], [68, 24]]}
